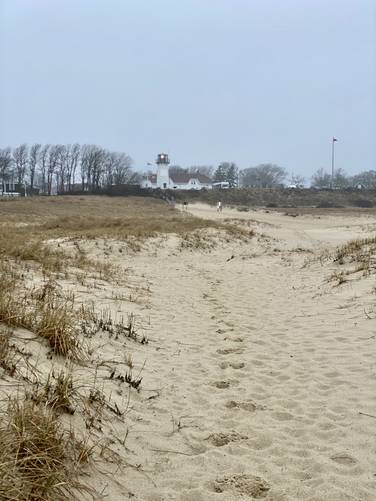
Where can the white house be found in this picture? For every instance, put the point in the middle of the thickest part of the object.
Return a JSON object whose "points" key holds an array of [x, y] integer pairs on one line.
{"points": [[163, 179]]}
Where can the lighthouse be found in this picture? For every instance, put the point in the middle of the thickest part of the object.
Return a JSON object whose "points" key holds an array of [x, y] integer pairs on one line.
{"points": [[163, 178]]}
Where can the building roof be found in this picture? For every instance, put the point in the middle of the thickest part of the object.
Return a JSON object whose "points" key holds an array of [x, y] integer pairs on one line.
{"points": [[184, 177]]}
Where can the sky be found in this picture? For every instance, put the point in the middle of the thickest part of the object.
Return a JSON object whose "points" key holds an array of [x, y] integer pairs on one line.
{"points": [[248, 81]]}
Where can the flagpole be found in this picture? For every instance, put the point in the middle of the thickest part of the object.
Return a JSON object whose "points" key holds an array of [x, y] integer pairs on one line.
{"points": [[333, 141]]}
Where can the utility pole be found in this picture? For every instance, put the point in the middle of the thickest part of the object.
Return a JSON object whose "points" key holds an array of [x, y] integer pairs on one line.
{"points": [[334, 140]]}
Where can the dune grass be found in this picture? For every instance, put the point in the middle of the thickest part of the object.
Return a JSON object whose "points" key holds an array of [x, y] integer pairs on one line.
{"points": [[39, 461]]}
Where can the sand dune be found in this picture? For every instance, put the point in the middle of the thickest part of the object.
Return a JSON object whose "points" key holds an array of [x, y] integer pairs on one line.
{"points": [[259, 381]]}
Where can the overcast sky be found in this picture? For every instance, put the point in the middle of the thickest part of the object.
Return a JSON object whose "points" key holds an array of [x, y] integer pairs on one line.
{"points": [[250, 81]]}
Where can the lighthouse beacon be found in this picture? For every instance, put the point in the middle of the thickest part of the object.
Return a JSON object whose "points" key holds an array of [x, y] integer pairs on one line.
{"points": [[163, 178]]}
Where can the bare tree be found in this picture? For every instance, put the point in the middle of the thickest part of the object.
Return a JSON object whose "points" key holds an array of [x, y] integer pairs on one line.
{"points": [[6, 162], [263, 176], [297, 180], [92, 164], [53, 160], [50, 164], [365, 179], [43, 161], [206, 170], [177, 169], [122, 169], [33, 162], [321, 179], [73, 152], [340, 179], [110, 160], [62, 167], [20, 158]]}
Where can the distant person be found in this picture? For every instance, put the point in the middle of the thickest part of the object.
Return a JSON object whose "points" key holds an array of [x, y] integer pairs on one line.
{"points": [[185, 205], [219, 207]]}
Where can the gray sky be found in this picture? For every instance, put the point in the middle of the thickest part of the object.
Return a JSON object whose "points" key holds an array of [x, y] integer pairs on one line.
{"points": [[249, 81]]}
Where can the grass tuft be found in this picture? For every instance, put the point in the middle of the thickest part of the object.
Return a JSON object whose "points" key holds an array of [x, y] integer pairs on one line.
{"points": [[39, 461]]}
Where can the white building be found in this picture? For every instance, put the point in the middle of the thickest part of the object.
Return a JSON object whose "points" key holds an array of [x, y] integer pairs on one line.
{"points": [[163, 179]]}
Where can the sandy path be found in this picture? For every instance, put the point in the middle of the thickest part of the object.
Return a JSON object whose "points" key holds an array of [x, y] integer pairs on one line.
{"points": [[260, 370]]}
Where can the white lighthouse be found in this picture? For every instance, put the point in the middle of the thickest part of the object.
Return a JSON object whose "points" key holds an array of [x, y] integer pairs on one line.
{"points": [[163, 178]]}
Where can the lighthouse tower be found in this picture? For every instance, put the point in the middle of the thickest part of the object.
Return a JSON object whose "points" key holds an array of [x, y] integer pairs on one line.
{"points": [[163, 178]]}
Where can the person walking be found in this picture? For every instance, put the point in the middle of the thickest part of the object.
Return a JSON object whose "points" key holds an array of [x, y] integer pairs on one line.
{"points": [[219, 206]]}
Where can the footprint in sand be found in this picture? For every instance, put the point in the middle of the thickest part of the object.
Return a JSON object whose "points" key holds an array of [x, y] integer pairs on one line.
{"points": [[233, 365], [246, 405], [222, 384], [344, 459], [227, 351], [234, 339], [221, 439], [237, 365], [245, 485]]}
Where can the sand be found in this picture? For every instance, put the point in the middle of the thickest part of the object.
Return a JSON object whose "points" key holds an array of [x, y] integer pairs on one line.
{"points": [[259, 381]]}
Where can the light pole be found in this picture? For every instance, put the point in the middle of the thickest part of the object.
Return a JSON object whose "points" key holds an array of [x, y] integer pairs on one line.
{"points": [[334, 140]]}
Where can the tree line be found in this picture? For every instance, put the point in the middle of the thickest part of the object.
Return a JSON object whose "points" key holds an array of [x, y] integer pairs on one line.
{"points": [[62, 165], [273, 176], [93, 168]]}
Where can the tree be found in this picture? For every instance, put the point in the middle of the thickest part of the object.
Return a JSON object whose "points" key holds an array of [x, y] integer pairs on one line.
{"points": [[219, 174], [6, 162], [232, 175], [321, 179], [177, 169], [263, 176], [73, 156], [43, 157], [297, 180], [33, 162], [61, 168], [53, 160], [20, 159], [227, 172], [340, 179], [92, 163], [206, 170], [123, 169], [367, 179]]}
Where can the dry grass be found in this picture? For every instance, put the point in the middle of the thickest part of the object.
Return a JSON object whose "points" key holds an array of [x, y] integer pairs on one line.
{"points": [[39, 461], [360, 250], [8, 358], [58, 392], [45, 313], [357, 258], [29, 223], [40, 242], [112, 217]]}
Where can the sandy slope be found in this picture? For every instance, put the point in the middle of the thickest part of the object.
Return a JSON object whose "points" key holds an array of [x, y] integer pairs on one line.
{"points": [[256, 373]]}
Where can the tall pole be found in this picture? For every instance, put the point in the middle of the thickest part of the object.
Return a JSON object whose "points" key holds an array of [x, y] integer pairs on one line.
{"points": [[333, 141]]}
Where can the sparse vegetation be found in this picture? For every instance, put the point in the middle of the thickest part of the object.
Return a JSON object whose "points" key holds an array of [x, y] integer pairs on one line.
{"points": [[39, 459], [58, 392], [45, 244], [360, 257]]}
